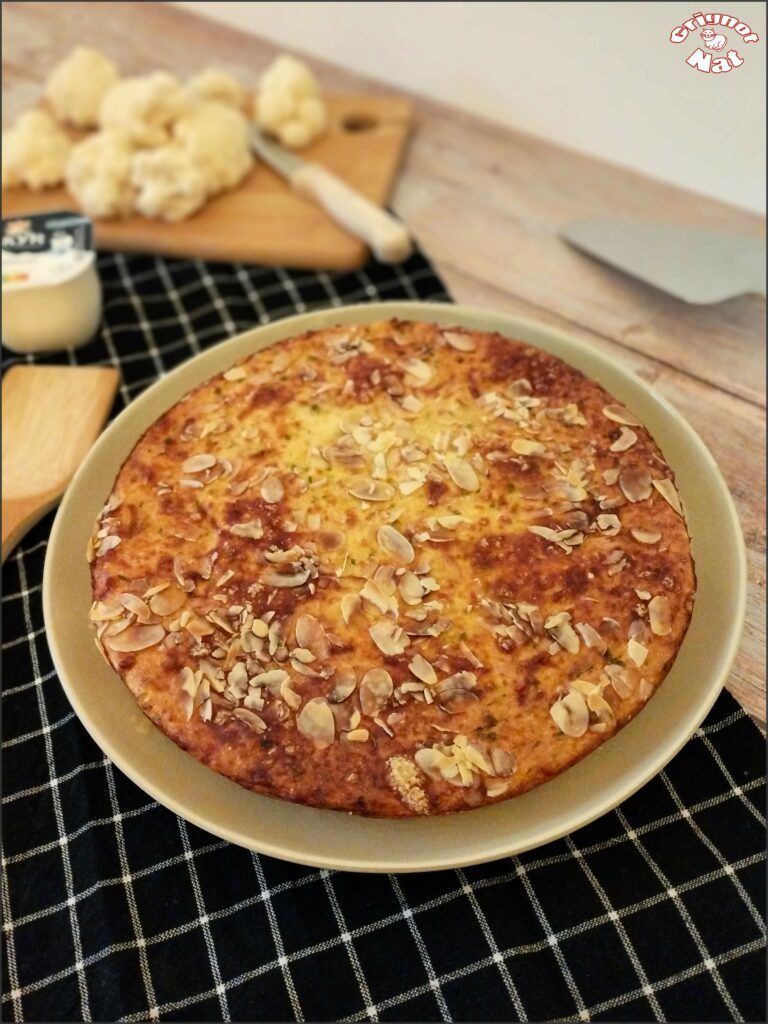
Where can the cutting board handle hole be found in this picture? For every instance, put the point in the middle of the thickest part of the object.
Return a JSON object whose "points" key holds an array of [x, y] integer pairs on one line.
{"points": [[359, 123]]}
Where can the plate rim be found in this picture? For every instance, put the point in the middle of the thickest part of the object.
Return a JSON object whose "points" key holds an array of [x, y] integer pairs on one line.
{"points": [[481, 318]]}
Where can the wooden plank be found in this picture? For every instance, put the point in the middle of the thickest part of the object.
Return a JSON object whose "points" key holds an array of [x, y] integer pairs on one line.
{"points": [[264, 220]]}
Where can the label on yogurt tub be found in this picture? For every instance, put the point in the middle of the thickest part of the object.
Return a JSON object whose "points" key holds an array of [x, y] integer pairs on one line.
{"points": [[45, 249]]}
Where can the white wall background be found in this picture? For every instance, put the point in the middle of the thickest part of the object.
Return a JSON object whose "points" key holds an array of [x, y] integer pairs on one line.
{"points": [[598, 77]]}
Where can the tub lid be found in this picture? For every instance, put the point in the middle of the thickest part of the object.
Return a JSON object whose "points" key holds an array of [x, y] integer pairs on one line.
{"points": [[45, 249]]}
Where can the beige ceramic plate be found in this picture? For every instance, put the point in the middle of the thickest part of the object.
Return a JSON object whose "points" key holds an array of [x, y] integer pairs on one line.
{"points": [[334, 840]]}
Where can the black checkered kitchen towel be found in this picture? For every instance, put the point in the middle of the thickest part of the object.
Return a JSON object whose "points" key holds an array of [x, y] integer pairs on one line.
{"points": [[114, 908]]}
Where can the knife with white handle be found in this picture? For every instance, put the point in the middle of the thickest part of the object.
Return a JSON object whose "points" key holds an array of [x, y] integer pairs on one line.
{"points": [[386, 235]]}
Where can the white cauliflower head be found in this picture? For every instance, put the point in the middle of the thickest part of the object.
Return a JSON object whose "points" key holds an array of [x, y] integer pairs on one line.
{"points": [[76, 86], [35, 152], [144, 108], [216, 138], [288, 104], [99, 174], [169, 184], [212, 84]]}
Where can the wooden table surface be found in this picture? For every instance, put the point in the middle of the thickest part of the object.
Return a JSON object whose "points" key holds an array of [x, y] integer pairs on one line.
{"points": [[486, 204]]}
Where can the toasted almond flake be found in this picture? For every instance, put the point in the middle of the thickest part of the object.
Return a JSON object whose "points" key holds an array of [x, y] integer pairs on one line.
{"points": [[272, 490], [357, 735], [316, 722], [462, 473], [350, 603], [108, 543], [503, 761], [236, 373], [371, 490], [372, 592], [388, 637], [602, 711], [523, 446], [560, 629], [225, 577], [619, 414], [624, 441], [635, 483], [636, 651], [646, 536], [285, 580], [667, 490], [311, 635], [610, 476], [105, 611], [135, 638], [376, 688], [461, 342], [571, 714], [344, 685], [252, 529], [417, 369], [136, 606], [251, 719], [198, 463], [395, 544], [303, 655], [411, 403], [591, 637], [609, 524], [660, 616], [422, 669]]}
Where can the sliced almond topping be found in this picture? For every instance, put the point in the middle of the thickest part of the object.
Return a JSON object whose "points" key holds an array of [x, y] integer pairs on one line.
{"points": [[311, 635], [135, 638], [350, 603], [278, 579], [635, 483], [317, 723], [422, 669], [619, 414], [136, 606], [669, 493], [253, 529], [388, 637], [372, 592], [420, 371], [462, 473], [461, 342], [251, 719], [560, 629], [621, 680], [660, 616], [358, 735], [646, 536], [636, 651], [344, 685], [395, 544], [371, 490], [571, 714], [602, 711], [236, 373], [198, 463], [624, 441], [376, 688], [272, 490], [410, 589], [107, 544], [522, 446], [591, 637], [609, 524]]}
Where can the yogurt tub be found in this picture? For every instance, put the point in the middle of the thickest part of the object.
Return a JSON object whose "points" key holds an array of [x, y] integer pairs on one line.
{"points": [[51, 288]]}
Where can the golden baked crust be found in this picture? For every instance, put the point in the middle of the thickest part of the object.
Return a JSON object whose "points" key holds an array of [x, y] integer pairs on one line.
{"points": [[393, 569]]}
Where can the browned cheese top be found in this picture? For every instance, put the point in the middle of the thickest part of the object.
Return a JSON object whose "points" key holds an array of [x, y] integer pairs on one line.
{"points": [[394, 569]]}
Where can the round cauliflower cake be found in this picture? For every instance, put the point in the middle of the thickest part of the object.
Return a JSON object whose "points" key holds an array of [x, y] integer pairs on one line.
{"points": [[394, 569]]}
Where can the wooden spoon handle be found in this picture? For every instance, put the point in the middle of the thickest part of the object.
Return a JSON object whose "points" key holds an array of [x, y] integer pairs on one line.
{"points": [[20, 514]]}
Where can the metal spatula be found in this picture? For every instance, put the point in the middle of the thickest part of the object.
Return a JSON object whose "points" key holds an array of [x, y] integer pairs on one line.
{"points": [[699, 267]]}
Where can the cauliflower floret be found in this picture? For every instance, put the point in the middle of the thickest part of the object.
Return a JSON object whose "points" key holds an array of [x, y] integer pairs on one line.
{"points": [[35, 152], [288, 104], [76, 86], [212, 84], [216, 138], [170, 186], [99, 174], [144, 107]]}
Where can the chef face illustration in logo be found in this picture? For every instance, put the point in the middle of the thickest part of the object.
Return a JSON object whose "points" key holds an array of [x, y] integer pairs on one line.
{"points": [[713, 40]]}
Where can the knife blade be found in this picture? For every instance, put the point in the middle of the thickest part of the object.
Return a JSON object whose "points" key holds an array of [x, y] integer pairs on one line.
{"points": [[387, 236]]}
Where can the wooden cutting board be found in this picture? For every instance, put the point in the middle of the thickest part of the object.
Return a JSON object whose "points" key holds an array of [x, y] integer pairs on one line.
{"points": [[264, 221]]}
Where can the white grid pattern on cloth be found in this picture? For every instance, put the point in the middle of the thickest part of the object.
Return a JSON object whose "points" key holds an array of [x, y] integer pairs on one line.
{"points": [[149, 302]]}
